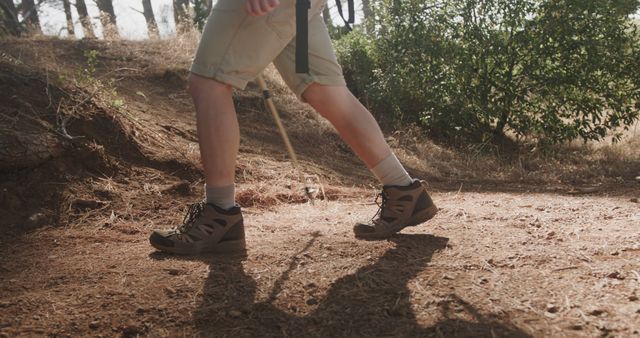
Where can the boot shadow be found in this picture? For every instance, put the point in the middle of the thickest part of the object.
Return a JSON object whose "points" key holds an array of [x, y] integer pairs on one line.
{"points": [[374, 301]]}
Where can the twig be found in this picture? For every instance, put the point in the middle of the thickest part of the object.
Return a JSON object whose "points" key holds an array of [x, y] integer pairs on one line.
{"points": [[135, 10], [62, 125], [117, 70], [566, 268]]}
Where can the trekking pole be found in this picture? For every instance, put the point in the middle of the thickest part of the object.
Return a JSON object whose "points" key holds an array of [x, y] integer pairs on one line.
{"points": [[266, 94]]}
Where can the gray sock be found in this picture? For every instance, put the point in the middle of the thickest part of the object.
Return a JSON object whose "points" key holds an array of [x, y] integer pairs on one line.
{"points": [[223, 197], [391, 172]]}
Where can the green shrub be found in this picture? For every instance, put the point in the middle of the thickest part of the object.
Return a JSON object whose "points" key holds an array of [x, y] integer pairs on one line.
{"points": [[355, 52], [549, 70]]}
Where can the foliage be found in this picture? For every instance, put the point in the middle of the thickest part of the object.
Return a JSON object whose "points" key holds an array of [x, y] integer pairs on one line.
{"points": [[552, 70], [92, 62], [87, 77], [201, 10]]}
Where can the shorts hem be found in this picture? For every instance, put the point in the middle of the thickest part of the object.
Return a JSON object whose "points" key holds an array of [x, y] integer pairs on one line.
{"points": [[233, 81], [337, 81]]}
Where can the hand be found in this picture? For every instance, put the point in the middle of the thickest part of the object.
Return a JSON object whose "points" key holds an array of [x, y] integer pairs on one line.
{"points": [[260, 7]]}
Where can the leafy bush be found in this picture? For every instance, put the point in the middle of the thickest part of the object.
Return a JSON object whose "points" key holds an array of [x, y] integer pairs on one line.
{"points": [[552, 70]]}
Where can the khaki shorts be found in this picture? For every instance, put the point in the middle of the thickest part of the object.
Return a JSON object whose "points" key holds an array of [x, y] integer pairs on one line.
{"points": [[235, 47]]}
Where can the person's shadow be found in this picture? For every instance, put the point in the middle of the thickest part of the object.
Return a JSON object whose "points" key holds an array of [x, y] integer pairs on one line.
{"points": [[374, 301]]}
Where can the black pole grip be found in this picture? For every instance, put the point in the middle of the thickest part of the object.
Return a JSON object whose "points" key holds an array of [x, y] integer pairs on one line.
{"points": [[302, 36]]}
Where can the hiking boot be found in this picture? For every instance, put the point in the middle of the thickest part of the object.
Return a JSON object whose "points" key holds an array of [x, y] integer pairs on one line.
{"points": [[205, 228], [401, 207]]}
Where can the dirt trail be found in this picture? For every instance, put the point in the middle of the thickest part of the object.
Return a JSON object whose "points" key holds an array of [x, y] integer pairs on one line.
{"points": [[507, 256], [489, 264]]}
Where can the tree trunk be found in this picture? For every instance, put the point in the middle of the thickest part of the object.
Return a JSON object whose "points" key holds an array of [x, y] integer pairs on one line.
{"points": [[81, 7], [30, 15], [180, 15], [10, 17], [108, 19], [326, 15], [368, 16], [367, 11], [152, 26], [67, 12]]}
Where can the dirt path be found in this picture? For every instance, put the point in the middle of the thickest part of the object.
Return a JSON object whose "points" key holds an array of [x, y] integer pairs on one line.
{"points": [[488, 265]]}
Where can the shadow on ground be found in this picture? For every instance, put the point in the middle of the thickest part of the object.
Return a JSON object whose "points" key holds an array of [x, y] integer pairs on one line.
{"points": [[374, 301]]}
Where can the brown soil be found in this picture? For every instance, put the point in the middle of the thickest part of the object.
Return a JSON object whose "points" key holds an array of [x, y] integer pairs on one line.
{"points": [[528, 247]]}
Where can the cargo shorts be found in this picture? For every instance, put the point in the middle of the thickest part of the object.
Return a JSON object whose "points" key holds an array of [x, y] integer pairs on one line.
{"points": [[235, 46]]}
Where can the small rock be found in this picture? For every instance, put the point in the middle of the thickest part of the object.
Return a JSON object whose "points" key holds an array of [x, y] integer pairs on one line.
{"points": [[596, 312], [616, 275], [604, 328], [35, 220], [576, 327], [448, 277], [634, 200], [94, 325], [182, 188], [311, 285], [633, 298], [551, 308], [235, 313], [132, 330], [174, 272], [81, 204], [312, 301]]}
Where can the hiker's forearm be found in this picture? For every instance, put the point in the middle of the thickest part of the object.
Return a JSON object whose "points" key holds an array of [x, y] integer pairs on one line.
{"points": [[260, 7]]}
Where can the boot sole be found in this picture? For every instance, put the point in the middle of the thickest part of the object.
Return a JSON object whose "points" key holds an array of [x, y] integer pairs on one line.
{"points": [[225, 247], [416, 219]]}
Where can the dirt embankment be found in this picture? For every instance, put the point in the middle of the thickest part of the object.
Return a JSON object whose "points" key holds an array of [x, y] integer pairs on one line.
{"points": [[98, 148]]}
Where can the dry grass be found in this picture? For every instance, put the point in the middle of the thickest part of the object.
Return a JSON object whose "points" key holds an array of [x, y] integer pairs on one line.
{"points": [[573, 164]]}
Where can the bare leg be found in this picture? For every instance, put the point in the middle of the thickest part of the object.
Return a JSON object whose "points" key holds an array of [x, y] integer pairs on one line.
{"points": [[354, 122], [218, 130]]}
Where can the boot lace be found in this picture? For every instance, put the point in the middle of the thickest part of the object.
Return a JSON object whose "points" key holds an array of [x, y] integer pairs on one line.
{"points": [[381, 206], [194, 211]]}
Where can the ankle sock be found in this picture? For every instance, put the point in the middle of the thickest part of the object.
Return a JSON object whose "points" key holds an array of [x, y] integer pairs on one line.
{"points": [[391, 172], [223, 197]]}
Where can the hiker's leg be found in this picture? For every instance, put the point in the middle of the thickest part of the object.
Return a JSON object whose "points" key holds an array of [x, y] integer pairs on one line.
{"points": [[218, 131], [325, 89], [233, 50], [352, 120], [359, 130]]}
